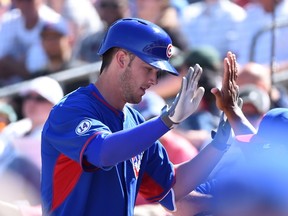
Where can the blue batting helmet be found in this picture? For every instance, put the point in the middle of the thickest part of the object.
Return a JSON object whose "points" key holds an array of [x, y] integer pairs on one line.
{"points": [[146, 40]]}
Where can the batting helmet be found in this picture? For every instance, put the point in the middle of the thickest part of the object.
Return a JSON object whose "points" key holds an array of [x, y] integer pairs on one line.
{"points": [[146, 40]]}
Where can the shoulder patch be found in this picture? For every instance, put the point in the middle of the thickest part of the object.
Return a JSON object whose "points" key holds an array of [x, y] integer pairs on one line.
{"points": [[83, 127]]}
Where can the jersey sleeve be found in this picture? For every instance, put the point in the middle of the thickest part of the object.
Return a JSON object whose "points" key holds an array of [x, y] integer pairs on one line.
{"points": [[70, 133]]}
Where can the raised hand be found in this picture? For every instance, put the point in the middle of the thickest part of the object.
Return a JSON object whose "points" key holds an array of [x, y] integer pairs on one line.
{"points": [[228, 97], [187, 100]]}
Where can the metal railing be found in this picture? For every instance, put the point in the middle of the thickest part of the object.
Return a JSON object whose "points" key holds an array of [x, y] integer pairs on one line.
{"points": [[279, 23], [89, 71], [275, 24]]}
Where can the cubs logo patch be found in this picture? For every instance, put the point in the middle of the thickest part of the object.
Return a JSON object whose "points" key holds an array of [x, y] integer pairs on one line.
{"points": [[83, 127], [169, 50]]}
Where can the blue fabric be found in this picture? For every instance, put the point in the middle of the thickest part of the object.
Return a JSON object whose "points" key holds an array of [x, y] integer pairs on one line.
{"points": [[111, 146], [73, 185]]}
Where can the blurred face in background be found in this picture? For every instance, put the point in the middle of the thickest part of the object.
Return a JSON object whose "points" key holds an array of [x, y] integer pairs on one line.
{"points": [[55, 44], [28, 8], [36, 108], [112, 10], [149, 9]]}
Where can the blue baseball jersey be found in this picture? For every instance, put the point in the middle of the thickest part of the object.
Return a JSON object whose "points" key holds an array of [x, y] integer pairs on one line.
{"points": [[73, 186]]}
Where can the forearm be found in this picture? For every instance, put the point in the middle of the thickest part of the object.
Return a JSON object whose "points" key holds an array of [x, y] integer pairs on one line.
{"points": [[194, 203], [239, 122], [125, 144], [192, 173]]}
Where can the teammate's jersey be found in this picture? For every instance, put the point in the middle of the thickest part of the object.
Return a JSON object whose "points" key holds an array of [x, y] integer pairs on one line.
{"points": [[71, 185]]}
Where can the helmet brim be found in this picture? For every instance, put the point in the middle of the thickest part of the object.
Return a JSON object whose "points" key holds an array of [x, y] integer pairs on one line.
{"points": [[162, 65]]}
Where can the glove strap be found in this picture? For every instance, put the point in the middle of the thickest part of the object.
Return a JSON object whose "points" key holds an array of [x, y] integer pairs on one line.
{"points": [[165, 117]]}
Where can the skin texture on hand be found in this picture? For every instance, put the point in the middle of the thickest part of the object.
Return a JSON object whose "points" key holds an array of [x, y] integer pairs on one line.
{"points": [[227, 98]]}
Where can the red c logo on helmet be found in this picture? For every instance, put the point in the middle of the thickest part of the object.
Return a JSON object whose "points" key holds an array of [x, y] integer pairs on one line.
{"points": [[169, 51]]}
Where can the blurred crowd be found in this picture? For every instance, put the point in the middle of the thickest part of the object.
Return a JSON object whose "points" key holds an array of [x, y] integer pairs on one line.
{"points": [[42, 37]]}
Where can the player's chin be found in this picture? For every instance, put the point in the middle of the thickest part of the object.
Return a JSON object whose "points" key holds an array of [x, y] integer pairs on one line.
{"points": [[136, 99]]}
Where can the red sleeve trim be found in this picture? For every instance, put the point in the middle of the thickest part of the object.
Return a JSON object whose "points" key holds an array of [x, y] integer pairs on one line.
{"points": [[86, 166], [66, 175]]}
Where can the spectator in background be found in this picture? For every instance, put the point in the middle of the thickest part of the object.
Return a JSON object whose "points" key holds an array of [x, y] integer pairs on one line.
{"points": [[20, 29], [179, 5], [112, 10], [20, 169], [256, 102], [39, 96], [4, 6], [55, 43], [260, 16], [109, 11], [57, 46], [212, 22], [260, 75], [165, 15], [82, 17]]}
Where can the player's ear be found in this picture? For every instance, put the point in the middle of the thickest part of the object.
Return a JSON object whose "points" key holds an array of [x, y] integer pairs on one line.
{"points": [[122, 58]]}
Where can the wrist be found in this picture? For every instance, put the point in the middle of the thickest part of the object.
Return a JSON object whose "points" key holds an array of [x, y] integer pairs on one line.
{"points": [[166, 119], [220, 146], [231, 110]]}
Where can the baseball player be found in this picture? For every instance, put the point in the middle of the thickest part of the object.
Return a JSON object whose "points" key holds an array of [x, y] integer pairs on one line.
{"points": [[98, 153]]}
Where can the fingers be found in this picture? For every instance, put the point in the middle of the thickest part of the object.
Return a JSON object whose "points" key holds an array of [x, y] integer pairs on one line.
{"points": [[198, 96], [226, 75], [234, 70], [230, 73], [216, 92], [189, 76], [181, 94], [197, 74], [193, 77], [232, 67]]}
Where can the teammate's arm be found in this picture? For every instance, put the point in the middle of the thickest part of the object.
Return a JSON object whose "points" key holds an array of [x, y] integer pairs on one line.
{"points": [[195, 171]]}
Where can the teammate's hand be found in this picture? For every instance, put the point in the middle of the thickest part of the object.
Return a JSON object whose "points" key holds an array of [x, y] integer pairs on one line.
{"points": [[221, 136], [227, 97], [187, 100]]}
